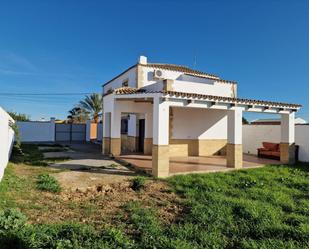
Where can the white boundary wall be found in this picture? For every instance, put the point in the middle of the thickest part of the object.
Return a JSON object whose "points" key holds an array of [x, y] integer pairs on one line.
{"points": [[6, 140], [254, 135], [35, 131]]}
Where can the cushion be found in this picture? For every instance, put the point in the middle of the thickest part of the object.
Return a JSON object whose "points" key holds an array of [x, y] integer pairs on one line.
{"points": [[271, 146], [263, 149], [267, 153], [275, 153]]}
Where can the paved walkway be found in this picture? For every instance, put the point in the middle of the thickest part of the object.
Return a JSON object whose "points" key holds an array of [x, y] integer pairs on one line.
{"points": [[195, 164], [88, 167]]}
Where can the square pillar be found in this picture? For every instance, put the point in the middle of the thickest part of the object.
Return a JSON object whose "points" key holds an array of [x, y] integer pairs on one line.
{"points": [[160, 148], [88, 130], [287, 145], [106, 140], [148, 133], [234, 153], [52, 130], [115, 144]]}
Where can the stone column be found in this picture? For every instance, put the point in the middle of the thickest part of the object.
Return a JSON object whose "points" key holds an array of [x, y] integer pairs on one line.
{"points": [[106, 140], [287, 145], [115, 145], [148, 133], [234, 155], [160, 148]]}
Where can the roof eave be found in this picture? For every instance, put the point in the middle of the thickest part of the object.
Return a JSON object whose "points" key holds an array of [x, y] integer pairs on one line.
{"points": [[119, 75]]}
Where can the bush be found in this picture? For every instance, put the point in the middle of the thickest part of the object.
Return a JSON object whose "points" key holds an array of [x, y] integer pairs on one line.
{"points": [[138, 183], [48, 183], [11, 219]]}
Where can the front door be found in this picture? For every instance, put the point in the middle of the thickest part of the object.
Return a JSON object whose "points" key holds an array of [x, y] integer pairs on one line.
{"points": [[141, 135]]}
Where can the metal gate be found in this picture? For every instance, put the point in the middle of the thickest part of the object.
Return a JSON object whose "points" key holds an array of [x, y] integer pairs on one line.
{"points": [[70, 132]]}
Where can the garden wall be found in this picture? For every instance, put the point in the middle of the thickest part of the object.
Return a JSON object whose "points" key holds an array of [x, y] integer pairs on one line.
{"points": [[38, 131], [254, 135], [35, 131], [6, 140]]}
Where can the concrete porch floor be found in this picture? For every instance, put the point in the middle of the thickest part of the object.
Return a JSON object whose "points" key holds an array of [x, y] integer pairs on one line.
{"points": [[194, 164]]}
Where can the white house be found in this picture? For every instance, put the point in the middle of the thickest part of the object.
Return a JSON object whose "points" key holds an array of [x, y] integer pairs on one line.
{"points": [[169, 110]]}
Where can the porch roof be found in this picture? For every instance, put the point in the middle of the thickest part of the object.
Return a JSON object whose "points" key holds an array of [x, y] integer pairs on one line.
{"points": [[193, 96]]}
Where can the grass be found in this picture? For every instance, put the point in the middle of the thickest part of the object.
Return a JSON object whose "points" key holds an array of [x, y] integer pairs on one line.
{"points": [[138, 183], [48, 183], [31, 155], [257, 208], [53, 150]]}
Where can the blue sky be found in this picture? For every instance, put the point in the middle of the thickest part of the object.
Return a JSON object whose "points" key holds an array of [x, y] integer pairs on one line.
{"points": [[75, 46]]}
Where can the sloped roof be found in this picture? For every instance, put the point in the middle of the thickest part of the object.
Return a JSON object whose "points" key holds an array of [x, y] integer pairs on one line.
{"points": [[176, 68], [131, 90], [180, 68]]}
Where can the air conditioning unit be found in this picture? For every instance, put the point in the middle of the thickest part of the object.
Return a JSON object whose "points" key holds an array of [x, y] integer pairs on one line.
{"points": [[158, 74]]}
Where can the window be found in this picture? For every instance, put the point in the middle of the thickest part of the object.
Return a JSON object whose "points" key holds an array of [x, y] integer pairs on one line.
{"points": [[125, 83]]}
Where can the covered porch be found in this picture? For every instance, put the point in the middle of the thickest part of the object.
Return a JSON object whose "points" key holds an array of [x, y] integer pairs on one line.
{"points": [[193, 164], [164, 155]]}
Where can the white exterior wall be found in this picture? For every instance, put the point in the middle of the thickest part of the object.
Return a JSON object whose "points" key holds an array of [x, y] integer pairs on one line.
{"points": [[37, 131], [187, 83], [132, 125], [116, 83], [154, 84], [254, 135], [193, 123], [302, 139], [234, 126], [6, 140]]}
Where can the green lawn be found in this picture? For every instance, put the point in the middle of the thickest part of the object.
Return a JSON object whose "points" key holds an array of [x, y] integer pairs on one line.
{"points": [[257, 208]]}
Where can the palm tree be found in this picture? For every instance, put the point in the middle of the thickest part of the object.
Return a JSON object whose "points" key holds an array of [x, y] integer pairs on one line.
{"points": [[93, 105], [78, 115]]}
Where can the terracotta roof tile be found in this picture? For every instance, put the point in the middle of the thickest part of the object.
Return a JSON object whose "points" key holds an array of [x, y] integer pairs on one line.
{"points": [[130, 90], [180, 68], [233, 100]]}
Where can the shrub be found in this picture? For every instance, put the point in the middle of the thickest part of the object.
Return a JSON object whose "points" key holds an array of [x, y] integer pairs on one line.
{"points": [[11, 219], [138, 183], [48, 183]]}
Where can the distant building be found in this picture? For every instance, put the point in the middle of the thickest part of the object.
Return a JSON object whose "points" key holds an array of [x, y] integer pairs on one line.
{"points": [[275, 121]]}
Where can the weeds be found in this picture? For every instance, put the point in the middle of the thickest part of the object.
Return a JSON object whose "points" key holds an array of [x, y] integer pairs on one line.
{"points": [[31, 155], [138, 183], [48, 183]]}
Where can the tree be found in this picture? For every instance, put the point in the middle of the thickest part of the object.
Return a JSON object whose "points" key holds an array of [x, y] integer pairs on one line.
{"points": [[245, 121], [19, 116], [77, 115], [93, 105]]}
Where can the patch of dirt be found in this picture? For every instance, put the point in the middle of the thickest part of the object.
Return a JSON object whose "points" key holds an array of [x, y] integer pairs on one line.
{"points": [[111, 197], [93, 202], [81, 179]]}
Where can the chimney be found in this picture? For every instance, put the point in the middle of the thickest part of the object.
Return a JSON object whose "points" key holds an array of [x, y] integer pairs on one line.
{"points": [[142, 60]]}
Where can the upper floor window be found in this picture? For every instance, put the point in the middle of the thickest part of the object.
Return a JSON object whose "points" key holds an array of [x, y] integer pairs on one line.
{"points": [[125, 83]]}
